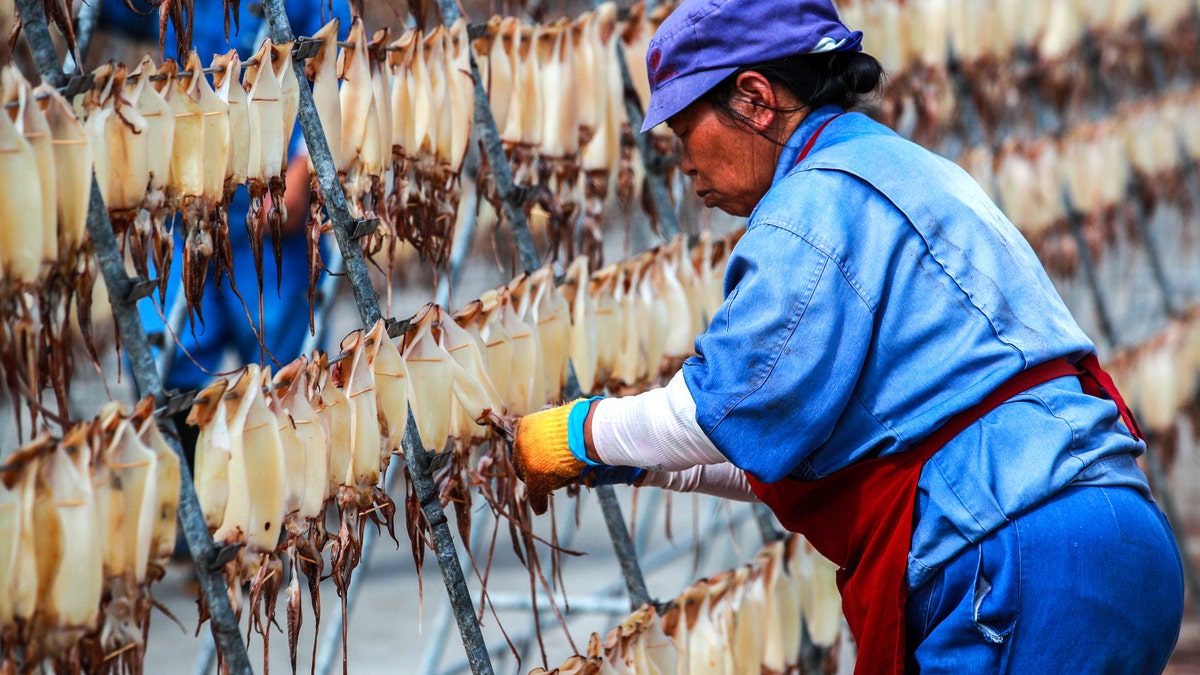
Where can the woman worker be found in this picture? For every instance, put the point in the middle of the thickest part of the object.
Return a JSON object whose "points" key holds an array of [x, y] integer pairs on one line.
{"points": [[891, 372]]}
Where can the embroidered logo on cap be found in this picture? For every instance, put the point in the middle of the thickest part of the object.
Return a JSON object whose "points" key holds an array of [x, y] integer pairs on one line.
{"points": [[657, 77]]}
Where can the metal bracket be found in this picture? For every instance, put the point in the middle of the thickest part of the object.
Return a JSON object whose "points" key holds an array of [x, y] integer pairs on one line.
{"points": [[78, 85], [175, 402], [396, 327], [223, 553], [357, 229], [476, 31], [140, 287], [305, 48], [439, 460]]}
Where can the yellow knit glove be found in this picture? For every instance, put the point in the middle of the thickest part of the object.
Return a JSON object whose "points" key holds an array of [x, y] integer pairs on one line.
{"points": [[542, 454]]}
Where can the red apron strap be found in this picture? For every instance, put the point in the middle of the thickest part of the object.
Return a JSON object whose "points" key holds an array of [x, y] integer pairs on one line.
{"points": [[812, 140], [1098, 381]]}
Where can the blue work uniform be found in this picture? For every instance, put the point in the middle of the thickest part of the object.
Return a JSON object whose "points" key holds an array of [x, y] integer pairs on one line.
{"points": [[226, 326], [876, 293]]}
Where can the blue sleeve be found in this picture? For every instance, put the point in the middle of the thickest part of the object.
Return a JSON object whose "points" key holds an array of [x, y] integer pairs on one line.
{"points": [[779, 362]]}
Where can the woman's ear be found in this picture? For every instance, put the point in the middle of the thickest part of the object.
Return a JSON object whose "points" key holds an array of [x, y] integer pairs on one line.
{"points": [[755, 100]]}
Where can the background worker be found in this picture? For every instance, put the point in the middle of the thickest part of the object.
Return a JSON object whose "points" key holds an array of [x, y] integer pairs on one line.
{"points": [[892, 372], [230, 325]]}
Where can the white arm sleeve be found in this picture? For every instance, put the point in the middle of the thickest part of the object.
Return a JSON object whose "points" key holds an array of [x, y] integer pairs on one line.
{"points": [[720, 480], [655, 430]]}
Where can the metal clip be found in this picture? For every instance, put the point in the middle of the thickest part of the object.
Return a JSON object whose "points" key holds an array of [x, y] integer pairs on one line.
{"points": [[140, 287], [78, 85], [175, 402], [476, 30], [221, 554], [305, 48], [357, 229], [439, 460], [396, 327]]}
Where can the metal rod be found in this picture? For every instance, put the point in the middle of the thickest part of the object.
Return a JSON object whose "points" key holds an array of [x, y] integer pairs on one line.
{"points": [[86, 19], [767, 524], [447, 556], [635, 583], [327, 178], [655, 560], [489, 138], [37, 34], [368, 309], [1088, 267], [655, 163], [511, 199], [191, 519], [141, 360]]}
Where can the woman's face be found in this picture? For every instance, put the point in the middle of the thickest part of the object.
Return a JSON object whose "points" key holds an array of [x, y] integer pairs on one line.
{"points": [[732, 164]]}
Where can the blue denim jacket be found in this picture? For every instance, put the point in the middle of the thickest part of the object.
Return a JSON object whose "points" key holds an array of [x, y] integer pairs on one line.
{"points": [[877, 292]]}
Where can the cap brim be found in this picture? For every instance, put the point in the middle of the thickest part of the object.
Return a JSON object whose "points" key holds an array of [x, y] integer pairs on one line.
{"points": [[680, 92]]}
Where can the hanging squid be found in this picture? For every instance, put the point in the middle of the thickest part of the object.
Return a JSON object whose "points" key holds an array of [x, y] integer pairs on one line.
{"points": [[21, 250]]}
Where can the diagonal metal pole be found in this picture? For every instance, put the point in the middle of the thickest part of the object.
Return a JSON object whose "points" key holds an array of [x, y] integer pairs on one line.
{"points": [[502, 174], [86, 19], [614, 521], [654, 161], [368, 308], [133, 337], [37, 35]]}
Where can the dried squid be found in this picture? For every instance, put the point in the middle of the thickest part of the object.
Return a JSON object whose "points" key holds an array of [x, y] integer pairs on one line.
{"points": [[267, 152], [21, 251], [323, 72]]}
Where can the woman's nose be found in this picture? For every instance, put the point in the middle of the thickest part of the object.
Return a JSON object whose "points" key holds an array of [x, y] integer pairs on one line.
{"points": [[685, 159]]}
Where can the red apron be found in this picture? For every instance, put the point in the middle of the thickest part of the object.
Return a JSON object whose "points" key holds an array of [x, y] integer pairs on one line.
{"points": [[861, 516]]}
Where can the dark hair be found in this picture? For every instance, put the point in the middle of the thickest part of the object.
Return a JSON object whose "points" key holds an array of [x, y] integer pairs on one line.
{"points": [[845, 79]]}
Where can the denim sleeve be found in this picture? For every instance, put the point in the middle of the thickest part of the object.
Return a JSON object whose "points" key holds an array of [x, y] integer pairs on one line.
{"points": [[779, 362]]}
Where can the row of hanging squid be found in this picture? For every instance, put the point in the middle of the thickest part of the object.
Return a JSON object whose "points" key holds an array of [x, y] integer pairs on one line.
{"points": [[1009, 53], [747, 620], [169, 146], [45, 261], [87, 523], [1110, 171], [558, 97], [276, 450]]}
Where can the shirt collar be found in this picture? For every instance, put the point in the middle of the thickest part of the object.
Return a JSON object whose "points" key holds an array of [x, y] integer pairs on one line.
{"points": [[794, 145]]}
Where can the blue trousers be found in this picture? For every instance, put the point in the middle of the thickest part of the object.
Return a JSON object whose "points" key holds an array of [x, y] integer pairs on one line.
{"points": [[226, 327], [1089, 581]]}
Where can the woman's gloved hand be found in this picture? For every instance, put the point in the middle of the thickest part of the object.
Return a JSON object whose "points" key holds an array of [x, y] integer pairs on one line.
{"points": [[549, 451]]}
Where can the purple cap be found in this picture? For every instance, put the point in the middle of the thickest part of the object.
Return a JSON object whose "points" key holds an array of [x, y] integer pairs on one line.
{"points": [[704, 41]]}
